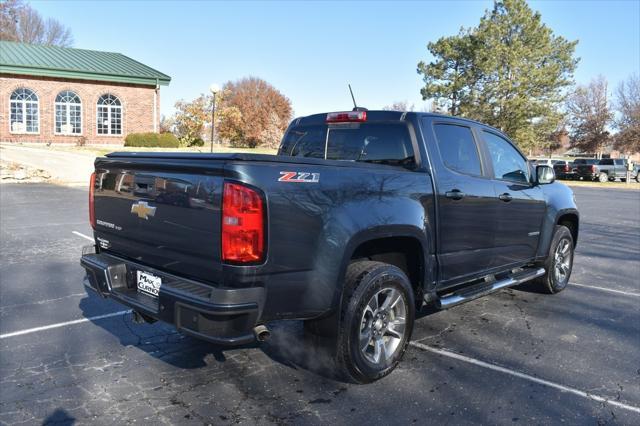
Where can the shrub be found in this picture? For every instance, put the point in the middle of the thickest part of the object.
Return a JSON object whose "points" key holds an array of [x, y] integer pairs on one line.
{"points": [[152, 140]]}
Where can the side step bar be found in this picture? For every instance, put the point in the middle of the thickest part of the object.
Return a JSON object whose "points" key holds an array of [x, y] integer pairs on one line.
{"points": [[473, 292]]}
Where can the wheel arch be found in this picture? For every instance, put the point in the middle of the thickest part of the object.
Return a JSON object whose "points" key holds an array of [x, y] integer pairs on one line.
{"points": [[571, 220], [406, 247]]}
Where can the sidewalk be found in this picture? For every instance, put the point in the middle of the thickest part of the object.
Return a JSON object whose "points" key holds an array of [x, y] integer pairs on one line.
{"points": [[65, 167]]}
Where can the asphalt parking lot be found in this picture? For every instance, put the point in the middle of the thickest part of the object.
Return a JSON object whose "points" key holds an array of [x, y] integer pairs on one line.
{"points": [[514, 357]]}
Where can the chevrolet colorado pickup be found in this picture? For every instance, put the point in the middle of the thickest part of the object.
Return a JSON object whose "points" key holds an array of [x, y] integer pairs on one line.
{"points": [[360, 219]]}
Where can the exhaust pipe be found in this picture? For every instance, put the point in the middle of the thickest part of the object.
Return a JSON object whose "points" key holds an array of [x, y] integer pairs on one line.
{"points": [[261, 332]]}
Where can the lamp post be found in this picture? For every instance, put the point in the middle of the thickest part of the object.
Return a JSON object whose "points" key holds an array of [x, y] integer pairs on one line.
{"points": [[214, 89]]}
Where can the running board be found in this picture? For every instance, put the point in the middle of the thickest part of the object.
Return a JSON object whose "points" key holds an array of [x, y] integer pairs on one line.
{"points": [[473, 292]]}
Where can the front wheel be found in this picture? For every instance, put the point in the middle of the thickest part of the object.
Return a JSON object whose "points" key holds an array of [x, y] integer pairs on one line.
{"points": [[559, 263], [376, 321], [603, 177]]}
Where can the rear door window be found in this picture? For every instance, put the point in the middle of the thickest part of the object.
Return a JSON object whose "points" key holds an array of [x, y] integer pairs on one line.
{"points": [[458, 148]]}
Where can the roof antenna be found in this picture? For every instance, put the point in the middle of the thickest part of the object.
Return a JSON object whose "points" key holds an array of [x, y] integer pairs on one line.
{"points": [[355, 106]]}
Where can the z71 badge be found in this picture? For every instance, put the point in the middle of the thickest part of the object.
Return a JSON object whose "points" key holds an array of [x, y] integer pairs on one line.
{"points": [[299, 177]]}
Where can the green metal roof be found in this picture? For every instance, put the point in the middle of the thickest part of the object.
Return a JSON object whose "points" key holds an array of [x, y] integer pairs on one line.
{"points": [[65, 62]]}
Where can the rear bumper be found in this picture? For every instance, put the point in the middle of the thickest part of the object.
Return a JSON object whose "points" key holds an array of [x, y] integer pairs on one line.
{"points": [[587, 175], [222, 316]]}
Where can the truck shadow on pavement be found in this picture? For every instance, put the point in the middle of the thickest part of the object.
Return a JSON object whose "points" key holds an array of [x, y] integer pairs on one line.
{"points": [[289, 344]]}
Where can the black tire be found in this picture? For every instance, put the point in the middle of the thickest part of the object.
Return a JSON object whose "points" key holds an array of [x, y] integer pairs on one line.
{"points": [[363, 281], [550, 282], [603, 177], [638, 178]]}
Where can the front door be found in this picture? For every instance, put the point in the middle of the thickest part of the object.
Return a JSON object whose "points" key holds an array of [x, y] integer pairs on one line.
{"points": [[521, 205], [466, 208]]}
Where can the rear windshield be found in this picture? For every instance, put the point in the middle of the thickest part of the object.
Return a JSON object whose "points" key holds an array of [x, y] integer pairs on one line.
{"points": [[384, 143]]}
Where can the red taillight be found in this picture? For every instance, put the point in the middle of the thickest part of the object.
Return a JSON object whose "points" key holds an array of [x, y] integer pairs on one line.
{"points": [[347, 116], [593, 168], [92, 210], [566, 167], [242, 224]]}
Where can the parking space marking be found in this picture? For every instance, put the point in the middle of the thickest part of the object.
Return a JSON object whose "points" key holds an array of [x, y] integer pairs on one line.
{"points": [[524, 376], [62, 324], [86, 237], [626, 293]]}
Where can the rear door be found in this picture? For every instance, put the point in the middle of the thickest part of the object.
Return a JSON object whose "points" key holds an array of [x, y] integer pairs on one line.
{"points": [[466, 205], [520, 204]]}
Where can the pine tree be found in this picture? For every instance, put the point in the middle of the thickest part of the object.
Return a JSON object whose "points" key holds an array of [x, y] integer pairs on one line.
{"points": [[510, 71]]}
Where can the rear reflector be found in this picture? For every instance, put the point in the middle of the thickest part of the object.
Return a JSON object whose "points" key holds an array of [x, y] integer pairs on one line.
{"points": [[346, 117], [92, 209], [242, 224]]}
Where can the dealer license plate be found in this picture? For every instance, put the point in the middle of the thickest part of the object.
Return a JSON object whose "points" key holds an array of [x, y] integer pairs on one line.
{"points": [[149, 283]]}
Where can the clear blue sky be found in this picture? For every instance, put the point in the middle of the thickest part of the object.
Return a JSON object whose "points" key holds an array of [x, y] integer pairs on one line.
{"points": [[309, 51]]}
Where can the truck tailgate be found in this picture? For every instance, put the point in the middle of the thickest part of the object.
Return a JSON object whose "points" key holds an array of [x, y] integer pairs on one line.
{"points": [[164, 213]]}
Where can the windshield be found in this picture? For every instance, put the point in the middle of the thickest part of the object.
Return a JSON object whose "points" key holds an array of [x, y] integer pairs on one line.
{"points": [[384, 143]]}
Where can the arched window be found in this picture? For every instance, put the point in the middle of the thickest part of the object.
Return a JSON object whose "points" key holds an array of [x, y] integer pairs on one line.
{"points": [[68, 113], [109, 115], [24, 111]]}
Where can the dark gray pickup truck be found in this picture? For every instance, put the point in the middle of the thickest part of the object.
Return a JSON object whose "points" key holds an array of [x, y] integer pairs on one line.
{"points": [[608, 169], [361, 219]]}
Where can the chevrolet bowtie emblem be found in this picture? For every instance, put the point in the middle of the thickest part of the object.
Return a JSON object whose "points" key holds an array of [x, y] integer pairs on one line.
{"points": [[143, 210]]}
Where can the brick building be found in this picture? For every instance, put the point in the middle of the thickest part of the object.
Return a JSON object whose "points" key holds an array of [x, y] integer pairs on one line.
{"points": [[63, 95]]}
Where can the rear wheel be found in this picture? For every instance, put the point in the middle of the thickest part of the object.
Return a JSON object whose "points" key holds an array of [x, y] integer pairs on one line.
{"points": [[603, 177], [638, 177], [559, 263], [376, 321]]}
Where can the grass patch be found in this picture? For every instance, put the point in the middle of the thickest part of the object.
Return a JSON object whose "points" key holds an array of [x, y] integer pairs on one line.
{"points": [[606, 185]]}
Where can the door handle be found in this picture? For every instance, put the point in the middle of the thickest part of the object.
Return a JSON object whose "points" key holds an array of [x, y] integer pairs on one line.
{"points": [[455, 194], [506, 197]]}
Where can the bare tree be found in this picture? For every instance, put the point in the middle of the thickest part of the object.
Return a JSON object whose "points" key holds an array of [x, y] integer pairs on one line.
{"points": [[628, 123], [590, 117], [20, 22], [9, 17], [399, 106]]}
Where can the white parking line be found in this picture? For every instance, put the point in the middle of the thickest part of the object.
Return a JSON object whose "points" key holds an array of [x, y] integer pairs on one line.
{"points": [[62, 324], [626, 293], [86, 237], [524, 376]]}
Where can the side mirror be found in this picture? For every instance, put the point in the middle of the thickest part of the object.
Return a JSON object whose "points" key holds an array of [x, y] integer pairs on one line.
{"points": [[545, 175]]}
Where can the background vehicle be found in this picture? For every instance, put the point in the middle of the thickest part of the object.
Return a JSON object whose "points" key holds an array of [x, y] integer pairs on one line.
{"points": [[564, 169], [545, 161], [606, 169], [361, 218]]}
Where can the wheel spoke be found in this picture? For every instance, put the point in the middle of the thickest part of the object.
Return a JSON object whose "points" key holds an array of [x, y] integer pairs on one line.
{"points": [[396, 328], [365, 339], [391, 300], [565, 247], [373, 303], [379, 351]]}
